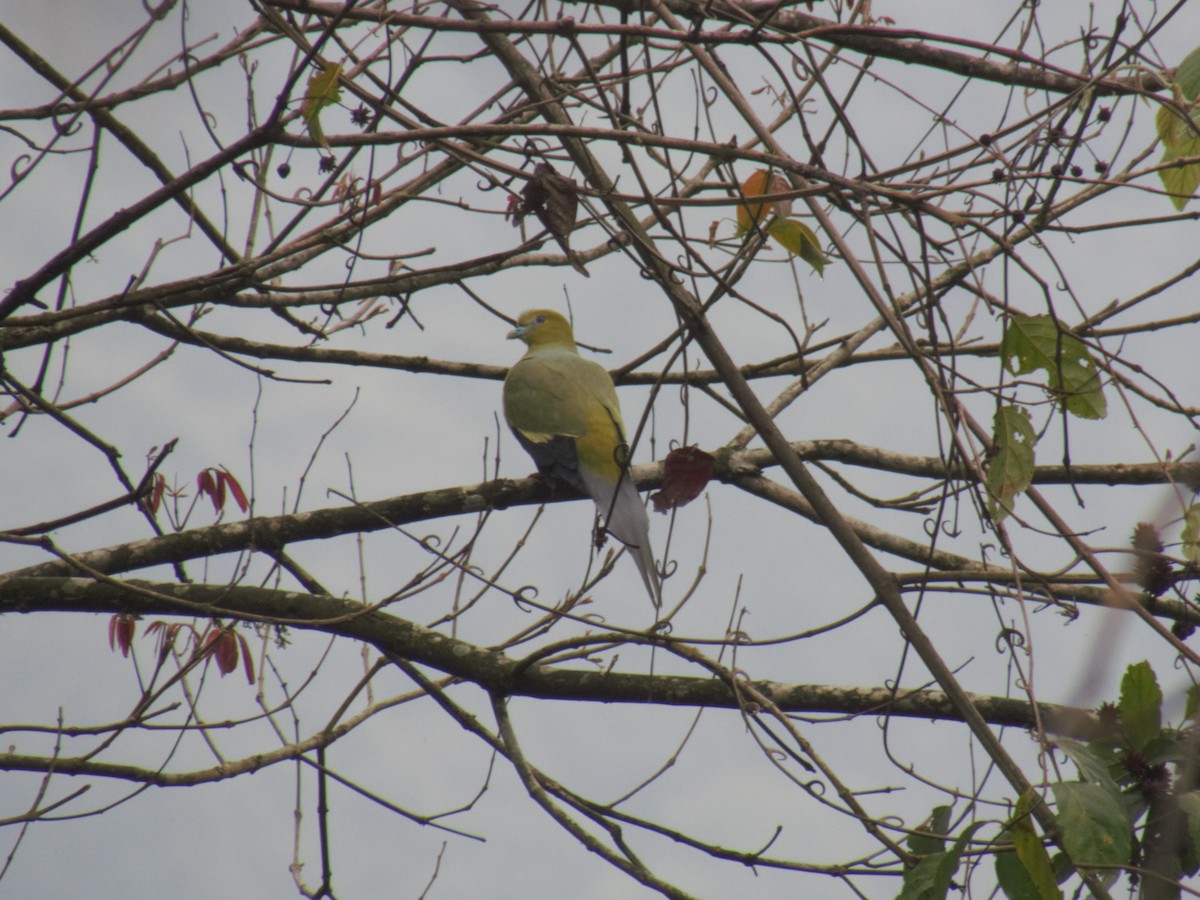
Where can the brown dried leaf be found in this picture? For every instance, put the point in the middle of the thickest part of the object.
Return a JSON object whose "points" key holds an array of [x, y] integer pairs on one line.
{"points": [[554, 199]]}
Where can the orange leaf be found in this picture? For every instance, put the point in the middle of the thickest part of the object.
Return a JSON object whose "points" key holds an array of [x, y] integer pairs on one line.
{"points": [[760, 183]]}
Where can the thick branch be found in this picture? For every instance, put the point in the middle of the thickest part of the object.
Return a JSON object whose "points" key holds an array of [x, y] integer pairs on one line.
{"points": [[741, 469], [491, 669]]}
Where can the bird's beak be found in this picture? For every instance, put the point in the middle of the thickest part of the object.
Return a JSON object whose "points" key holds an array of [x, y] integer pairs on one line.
{"points": [[518, 332]]}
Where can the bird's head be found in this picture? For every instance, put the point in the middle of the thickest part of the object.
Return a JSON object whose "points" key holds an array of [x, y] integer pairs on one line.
{"points": [[542, 327]]}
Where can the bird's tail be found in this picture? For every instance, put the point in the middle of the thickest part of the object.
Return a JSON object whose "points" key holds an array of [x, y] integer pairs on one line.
{"points": [[626, 520]]}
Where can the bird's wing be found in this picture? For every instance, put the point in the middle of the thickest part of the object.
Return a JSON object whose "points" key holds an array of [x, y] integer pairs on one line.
{"points": [[542, 401], [560, 394]]}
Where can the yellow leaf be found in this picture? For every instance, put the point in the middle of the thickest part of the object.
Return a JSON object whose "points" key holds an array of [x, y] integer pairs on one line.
{"points": [[799, 240]]}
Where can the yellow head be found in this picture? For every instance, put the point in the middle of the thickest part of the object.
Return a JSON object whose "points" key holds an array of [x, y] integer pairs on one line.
{"points": [[543, 327]]}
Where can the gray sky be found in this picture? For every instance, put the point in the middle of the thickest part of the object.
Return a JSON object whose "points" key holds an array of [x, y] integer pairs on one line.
{"points": [[408, 432]]}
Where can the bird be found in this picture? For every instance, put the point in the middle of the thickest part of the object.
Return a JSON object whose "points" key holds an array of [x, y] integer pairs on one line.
{"points": [[563, 410]]}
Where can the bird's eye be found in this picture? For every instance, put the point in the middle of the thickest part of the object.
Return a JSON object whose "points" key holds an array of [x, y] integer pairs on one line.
{"points": [[539, 320]]}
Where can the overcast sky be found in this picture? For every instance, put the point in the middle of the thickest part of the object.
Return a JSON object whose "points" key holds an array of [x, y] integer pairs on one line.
{"points": [[402, 433]]}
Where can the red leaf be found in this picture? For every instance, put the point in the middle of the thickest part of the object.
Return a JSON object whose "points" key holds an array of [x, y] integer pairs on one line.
{"points": [[247, 659], [686, 471], [121, 629], [222, 644], [166, 635], [156, 493], [239, 496], [207, 484]]}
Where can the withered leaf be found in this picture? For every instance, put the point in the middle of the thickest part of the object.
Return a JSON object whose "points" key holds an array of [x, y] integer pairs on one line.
{"points": [[554, 199]]}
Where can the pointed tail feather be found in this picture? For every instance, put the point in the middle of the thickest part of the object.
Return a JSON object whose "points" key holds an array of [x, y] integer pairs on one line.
{"points": [[643, 556], [626, 520]]}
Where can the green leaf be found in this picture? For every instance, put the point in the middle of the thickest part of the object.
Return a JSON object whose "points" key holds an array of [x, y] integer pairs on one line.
{"points": [[938, 823], [1095, 827], [1163, 849], [1026, 872], [1187, 76], [1039, 342], [1180, 181], [799, 240], [1191, 534], [1091, 762], [323, 91], [1189, 803], [1014, 879], [1140, 705], [930, 878], [1179, 137], [1009, 472], [1191, 706]]}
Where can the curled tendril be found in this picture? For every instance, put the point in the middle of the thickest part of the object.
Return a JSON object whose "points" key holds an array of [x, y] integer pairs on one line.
{"points": [[801, 69], [532, 148], [524, 596], [1009, 639], [767, 846], [158, 13], [17, 171], [239, 169], [116, 59], [815, 788], [61, 128]]}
